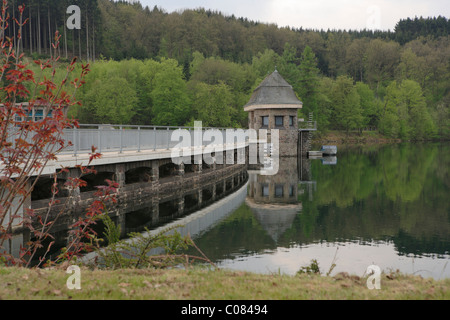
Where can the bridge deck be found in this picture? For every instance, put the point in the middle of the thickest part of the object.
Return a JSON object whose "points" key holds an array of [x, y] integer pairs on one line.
{"points": [[125, 144], [113, 157]]}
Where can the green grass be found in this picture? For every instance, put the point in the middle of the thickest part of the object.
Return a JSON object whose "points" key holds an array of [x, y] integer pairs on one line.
{"points": [[200, 284]]}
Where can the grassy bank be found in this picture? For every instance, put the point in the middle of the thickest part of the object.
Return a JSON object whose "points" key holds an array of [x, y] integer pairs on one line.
{"points": [[199, 284]]}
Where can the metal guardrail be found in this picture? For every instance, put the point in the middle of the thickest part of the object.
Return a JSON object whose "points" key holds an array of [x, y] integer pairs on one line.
{"points": [[307, 125], [120, 138]]}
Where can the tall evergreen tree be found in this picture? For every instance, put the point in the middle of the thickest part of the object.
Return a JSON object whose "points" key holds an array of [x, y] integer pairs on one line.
{"points": [[308, 83]]}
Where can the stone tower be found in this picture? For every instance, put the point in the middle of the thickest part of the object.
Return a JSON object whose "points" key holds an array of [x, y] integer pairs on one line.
{"points": [[274, 105]]}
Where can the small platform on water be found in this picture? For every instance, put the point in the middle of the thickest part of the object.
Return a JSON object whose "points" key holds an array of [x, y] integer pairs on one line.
{"points": [[325, 151], [315, 154], [329, 150]]}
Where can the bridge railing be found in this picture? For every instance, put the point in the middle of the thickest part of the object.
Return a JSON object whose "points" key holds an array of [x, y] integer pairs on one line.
{"points": [[126, 138]]}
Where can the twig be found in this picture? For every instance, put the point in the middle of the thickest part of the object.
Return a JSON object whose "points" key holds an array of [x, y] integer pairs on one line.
{"points": [[201, 252], [333, 263]]}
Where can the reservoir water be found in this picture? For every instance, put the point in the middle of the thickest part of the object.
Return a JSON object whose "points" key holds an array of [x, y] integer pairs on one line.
{"points": [[379, 205]]}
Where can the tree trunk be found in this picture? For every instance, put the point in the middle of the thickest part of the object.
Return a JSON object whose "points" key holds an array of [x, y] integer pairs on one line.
{"points": [[39, 29], [87, 36], [79, 43], [93, 39], [31, 30], [59, 45], [49, 33], [65, 36], [13, 22]]}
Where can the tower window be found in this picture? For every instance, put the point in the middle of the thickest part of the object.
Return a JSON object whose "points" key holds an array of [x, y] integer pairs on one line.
{"points": [[291, 121], [291, 191], [265, 190], [279, 121], [279, 191]]}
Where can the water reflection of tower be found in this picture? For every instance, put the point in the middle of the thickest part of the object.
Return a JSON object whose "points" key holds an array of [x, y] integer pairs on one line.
{"points": [[274, 199]]}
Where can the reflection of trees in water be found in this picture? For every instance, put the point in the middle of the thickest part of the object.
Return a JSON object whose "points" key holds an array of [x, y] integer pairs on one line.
{"points": [[360, 199], [405, 170], [238, 233], [373, 194]]}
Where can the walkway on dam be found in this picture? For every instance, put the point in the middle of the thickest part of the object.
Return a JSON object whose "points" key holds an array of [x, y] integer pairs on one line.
{"points": [[125, 144]]}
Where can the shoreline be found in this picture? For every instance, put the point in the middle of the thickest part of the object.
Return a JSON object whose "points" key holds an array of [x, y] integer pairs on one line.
{"points": [[341, 138]]}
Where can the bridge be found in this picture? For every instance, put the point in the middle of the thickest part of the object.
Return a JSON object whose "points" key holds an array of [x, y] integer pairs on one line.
{"points": [[146, 155], [120, 144], [185, 166], [144, 161]]}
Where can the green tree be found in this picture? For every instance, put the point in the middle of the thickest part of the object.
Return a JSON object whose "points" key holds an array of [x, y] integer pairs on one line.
{"points": [[309, 83], [145, 85], [382, 57], [356, 58], [389, 121], [212, 104], [411, 67], [412, 101], [239, 78], [171, 105], [114, 101], [264, 63], [325, 108], [441, 116], [405, 113], [369, 105], [197, 60], [337, 44], [346, 104], [288, 66]]}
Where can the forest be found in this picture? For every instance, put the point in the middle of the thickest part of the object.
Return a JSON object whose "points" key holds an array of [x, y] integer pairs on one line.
{"points": [[151, 67]]}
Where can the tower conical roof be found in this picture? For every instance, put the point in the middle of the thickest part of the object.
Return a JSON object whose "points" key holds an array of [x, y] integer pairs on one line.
{"points": [[273, 91]]}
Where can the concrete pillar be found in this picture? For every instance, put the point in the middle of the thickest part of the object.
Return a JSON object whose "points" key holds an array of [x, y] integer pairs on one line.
{"points": [[121, 221], [247, 155], [27, 201], [214, 192], [155, 211], [180, 202], [220, 157], [155, 171], [119, 174], [155, 190], [229, 158], [241, 156], [17, 208], [74, 193], [200, 197], [179, 171]]}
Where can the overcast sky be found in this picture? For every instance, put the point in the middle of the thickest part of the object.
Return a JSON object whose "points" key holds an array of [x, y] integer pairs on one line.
{"points": [[318, 14]]}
